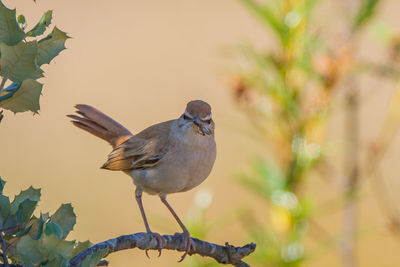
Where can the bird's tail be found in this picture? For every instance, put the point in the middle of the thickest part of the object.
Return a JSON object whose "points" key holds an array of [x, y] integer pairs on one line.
{"points": [[100, 125]]}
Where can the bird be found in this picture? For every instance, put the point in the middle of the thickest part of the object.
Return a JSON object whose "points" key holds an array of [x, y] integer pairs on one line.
{"points": [[168, 157]]}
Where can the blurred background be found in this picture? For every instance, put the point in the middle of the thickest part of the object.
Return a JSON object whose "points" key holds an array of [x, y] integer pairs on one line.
{"points": [[306, 100]]}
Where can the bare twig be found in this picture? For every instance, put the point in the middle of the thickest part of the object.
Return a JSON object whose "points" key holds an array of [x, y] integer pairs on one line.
{"points": [[16, 227], [223, 254], [1, 115]]}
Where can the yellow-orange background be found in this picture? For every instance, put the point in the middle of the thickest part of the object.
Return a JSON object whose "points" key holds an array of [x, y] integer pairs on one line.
{"points": [[140, 62]]}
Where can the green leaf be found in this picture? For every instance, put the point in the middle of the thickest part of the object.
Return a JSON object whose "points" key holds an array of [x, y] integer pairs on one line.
{"points": [[30, 193], [65, 218], [19, 62], [94, 259], [41, 26], [4, 209], [53, 229], [51, 247], [10, 32], [25, 211], [51, 46], [40, 227], [366, 11], [25, 98], [29, 251], [270, 18], [2, 183], [58, 261], [81, 246]]}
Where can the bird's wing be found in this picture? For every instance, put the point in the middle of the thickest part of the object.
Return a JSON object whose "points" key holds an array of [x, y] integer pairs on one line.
{"points": [[141, 151]]}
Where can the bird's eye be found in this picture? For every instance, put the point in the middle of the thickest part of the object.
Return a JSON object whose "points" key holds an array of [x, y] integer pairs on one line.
{"points": [[208, 121], [186, 118]]}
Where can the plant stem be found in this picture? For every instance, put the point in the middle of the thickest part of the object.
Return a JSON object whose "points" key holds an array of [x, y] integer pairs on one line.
{"points": [[351, 164], [4, 249]]}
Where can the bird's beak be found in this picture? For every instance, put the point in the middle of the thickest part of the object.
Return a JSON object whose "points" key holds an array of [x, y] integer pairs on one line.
{"points": [[202, 128], [196, 120]]}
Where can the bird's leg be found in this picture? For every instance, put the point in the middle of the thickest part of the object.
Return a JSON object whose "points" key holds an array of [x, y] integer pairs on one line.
{"points": [[189, 244], [160, 238]]}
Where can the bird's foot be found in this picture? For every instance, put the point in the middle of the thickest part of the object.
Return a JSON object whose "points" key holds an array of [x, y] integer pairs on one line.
{"points": [[160, 241], [189, 244]]}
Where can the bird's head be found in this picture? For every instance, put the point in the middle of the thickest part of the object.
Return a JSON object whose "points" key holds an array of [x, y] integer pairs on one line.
{"points": [[198, 115]]}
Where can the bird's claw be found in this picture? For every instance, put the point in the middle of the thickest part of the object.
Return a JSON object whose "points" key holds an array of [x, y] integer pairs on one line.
{"points": [[189, 245], [160, 241]]}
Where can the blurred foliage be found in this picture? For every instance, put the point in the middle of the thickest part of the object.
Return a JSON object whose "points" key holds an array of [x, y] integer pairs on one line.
{"points": [[38, 241], [21, 56], [287, 92]]}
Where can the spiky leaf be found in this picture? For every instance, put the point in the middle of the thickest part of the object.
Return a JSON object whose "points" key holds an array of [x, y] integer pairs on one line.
{"points": [[93, 260], [29, 251], [30, 193], [51, 247], [81, 246], [25, 98], [19, 62], [51, 46], [65, 218], [10, 32], [25, 211], [2, 183], [4, 209], [41, 26], [53, 229]]}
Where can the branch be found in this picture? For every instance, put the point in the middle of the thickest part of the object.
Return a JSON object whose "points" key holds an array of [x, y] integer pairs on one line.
{"points": [[223, 254]]}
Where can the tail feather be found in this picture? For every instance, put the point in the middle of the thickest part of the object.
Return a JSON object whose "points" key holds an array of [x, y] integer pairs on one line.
{"points": [[100, 125]]}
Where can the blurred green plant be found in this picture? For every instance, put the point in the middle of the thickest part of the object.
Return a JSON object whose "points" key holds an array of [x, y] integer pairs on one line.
{"points": [[286, 93], [38, 241], [22, 53]]}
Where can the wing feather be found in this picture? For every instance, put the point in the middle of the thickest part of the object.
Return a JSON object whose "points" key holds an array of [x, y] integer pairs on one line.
{"points": [[141, 151]]}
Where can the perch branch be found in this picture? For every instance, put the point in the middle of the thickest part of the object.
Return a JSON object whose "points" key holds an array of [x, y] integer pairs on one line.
{"points": [[223, 254]]}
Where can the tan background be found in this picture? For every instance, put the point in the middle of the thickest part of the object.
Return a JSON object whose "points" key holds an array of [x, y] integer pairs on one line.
{"points": [[140, 62]]}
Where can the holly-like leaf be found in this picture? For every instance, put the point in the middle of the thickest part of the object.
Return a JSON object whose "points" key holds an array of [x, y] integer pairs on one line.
{"points": [[30, 193], [39, 226], [81, 246], [4, 209], [65, 218], [51, 247], [41, 26], [94, 259], [2, 183], [57, 262], [28, 250], [51, 46], [25, 98], [18, 62], [25, 211], [10, 32], [53, 229]]}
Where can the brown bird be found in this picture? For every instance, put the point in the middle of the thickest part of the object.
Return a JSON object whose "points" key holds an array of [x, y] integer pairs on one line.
{"points": [[168, 157]]}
